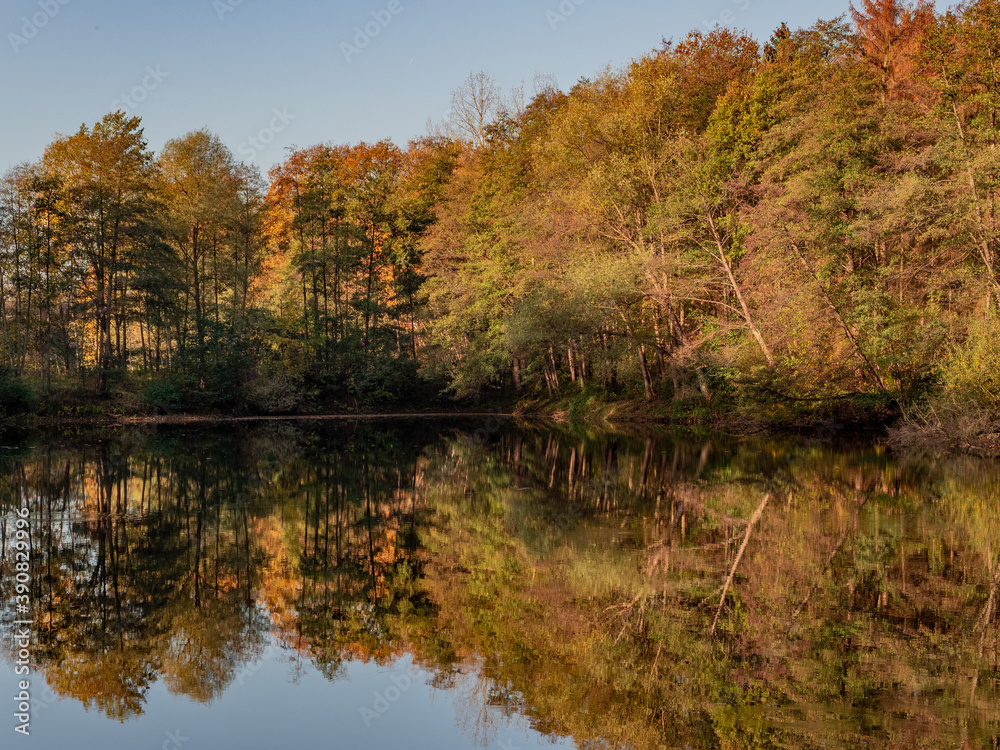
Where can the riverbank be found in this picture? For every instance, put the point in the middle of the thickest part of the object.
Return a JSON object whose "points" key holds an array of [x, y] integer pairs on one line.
{"points": [[957, 429], [948, 428], [728, 415], [928, 430]]}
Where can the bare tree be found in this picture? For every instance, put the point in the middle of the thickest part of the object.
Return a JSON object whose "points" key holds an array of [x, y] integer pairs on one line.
{"points": [[514, 104], [475, 105], [544, 84]]}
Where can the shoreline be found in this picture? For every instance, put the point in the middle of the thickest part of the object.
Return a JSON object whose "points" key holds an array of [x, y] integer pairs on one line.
{"points": [[169, 419], [895, 432], [611, 417]]}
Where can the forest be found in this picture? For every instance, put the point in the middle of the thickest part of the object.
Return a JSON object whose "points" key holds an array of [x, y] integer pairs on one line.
{"points": [[803, 227]]}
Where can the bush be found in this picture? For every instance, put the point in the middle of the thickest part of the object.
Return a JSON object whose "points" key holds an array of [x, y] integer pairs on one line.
{"points": [[964, 416], [16, 396], [274, 394], [163, 396], [387, 382], [972, 371]]}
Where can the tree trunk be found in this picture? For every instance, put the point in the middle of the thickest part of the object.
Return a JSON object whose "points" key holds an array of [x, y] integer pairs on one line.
{"points": [[747, 317], [647, 379]]}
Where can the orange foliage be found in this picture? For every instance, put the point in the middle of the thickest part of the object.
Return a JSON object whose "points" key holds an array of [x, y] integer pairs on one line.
{"points": [[892, 35]]}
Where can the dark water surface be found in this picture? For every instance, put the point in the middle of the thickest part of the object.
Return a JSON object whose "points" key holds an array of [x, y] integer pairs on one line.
{"points": [[419, 584]]}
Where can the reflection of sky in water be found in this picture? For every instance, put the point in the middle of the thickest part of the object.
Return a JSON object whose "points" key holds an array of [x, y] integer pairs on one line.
{"points": [[584, 575], [283, 702]]}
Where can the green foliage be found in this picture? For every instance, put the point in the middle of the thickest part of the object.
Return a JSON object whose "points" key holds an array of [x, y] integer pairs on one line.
{"points": [[164, 396], [971, 372], [16, 396]]}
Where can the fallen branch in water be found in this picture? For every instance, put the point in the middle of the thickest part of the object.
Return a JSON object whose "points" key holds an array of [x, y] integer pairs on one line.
{"points": [[739, 556]]}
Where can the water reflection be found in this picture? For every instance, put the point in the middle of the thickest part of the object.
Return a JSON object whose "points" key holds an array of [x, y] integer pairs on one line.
{"points": [[621, 591]]}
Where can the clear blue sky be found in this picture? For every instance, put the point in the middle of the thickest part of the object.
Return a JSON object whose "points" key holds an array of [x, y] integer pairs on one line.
{"points": [[229, 65]]}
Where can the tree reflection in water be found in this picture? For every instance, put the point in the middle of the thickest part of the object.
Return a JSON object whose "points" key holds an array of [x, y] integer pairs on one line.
{"points": [[569, 580]]}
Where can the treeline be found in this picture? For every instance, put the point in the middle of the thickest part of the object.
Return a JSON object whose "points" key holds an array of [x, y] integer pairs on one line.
{"points": [[784, 226], [186, 274], [796, 223]]}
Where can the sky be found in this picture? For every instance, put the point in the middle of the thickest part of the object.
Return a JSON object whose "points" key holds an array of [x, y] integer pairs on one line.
{"points": [[267, 75]]}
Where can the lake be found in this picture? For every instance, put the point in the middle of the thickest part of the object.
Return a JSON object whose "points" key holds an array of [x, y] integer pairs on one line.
{"points": [[482, 583]]}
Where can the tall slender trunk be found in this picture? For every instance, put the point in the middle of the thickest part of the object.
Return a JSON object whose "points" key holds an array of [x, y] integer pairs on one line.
{"points": [[371, 277], [981, 235], [647, 379], [731, 277]]}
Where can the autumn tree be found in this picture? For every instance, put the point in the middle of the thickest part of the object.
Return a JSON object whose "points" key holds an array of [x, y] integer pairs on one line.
{"points": [[106, 176], [891, 36]]}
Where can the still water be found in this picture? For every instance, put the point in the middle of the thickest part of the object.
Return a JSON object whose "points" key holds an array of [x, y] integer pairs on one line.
{"points": [[419, 584]]}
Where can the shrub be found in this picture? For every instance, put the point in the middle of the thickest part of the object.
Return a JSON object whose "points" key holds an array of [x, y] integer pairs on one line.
{"points": [[164, 396], [275, 393], [16, 396], [972, 371]]}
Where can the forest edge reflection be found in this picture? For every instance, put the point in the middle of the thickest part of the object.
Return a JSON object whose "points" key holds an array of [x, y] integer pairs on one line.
{"points": [[574, 577]]}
